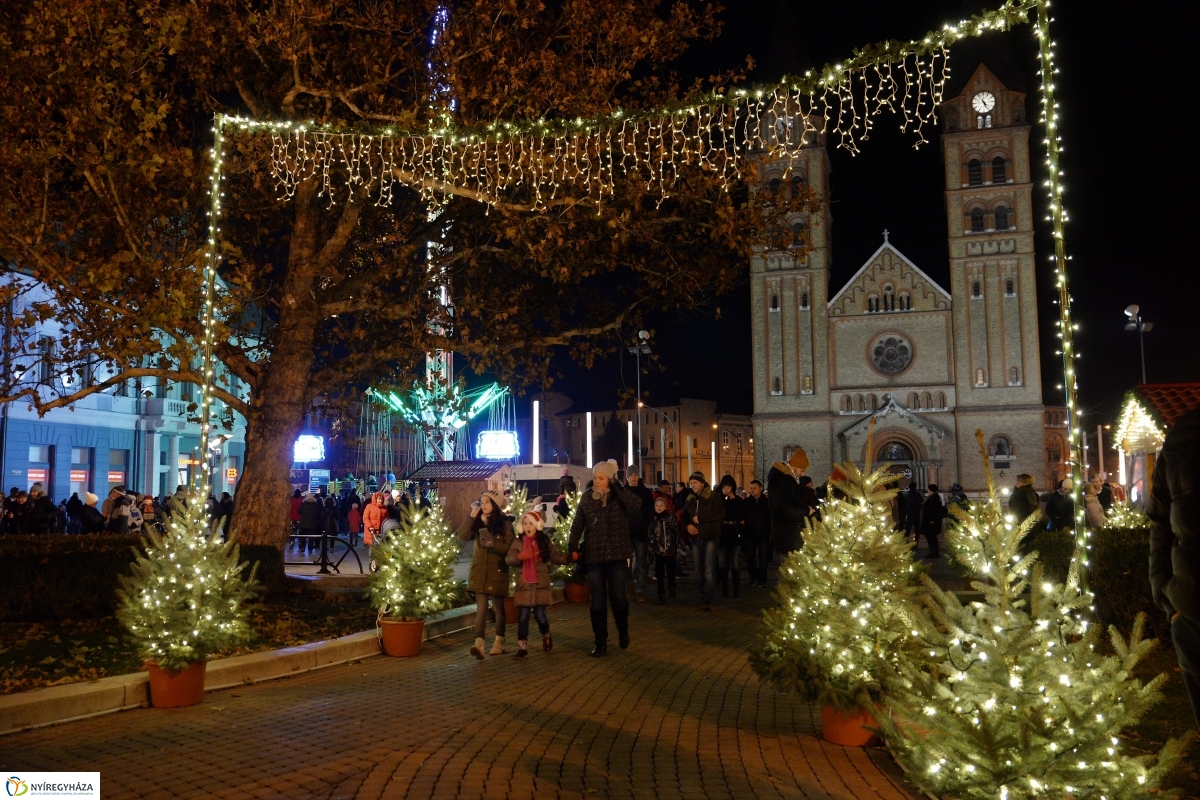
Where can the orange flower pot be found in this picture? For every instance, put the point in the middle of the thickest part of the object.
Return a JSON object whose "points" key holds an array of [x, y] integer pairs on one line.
{"points": [[510, 610], [577, 592], [171, 689], [847, 729], [402, 638]]}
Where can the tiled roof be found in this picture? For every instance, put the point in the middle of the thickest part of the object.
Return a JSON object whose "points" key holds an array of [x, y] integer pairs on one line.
{"points": [[457, 470], [1168, 402]]}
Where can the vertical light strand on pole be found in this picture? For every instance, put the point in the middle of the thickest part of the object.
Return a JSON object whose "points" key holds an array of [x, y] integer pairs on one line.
{"points": [[629, 444], [537, 434], [689, 449], [588, 439], [1100, 452], [202, 480], [1066, 327], [714, 464], [662, 453]]}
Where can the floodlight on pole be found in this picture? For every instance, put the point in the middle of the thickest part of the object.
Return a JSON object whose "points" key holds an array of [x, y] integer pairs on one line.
{"points": [[714, 464], [537, 431], [1136, 323], [629, 443], [588, 439], [640, 349]]}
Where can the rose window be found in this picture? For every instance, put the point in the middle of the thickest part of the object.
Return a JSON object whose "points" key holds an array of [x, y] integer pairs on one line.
{"points": [[891, 353]]}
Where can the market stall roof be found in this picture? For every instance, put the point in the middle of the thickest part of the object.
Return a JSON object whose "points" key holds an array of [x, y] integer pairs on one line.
{"points": [[458, 470], [1150, 410]]}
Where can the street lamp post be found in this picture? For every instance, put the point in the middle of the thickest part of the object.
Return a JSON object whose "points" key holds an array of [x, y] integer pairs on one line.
{"points": [[674, 433], [1136, 323], [638, 349]]}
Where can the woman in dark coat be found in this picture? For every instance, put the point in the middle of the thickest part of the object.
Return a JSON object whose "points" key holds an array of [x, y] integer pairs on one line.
{"points": [[492, 531], [600, 539]]}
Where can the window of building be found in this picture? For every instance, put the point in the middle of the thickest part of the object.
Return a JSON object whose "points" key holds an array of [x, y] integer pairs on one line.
{"points": [[914, 402], [1014, 376], [905, 302], [939, 400], [860, 405], [1054, 451], [1001, 452], [797, 234], [1002, 223], [778, 386], [806, 384], [725, 439], [889, 300], [847, 407], [39, 453], [980, 377], [974, 172], [804, 300], [774, 302], [978, 220], [895, 451], [775, 187], [1009, 289], [999, 170], [926, 400], [872, 403], [983, 121], [797, 187], [976, 290], [872, 303], [46, 362]]}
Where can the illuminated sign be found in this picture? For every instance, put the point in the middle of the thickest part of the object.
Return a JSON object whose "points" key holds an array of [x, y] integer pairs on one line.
{"points": [[231, 474], [79, 476], [37, 475], [308, 448], [497, 445], [115, 477]]}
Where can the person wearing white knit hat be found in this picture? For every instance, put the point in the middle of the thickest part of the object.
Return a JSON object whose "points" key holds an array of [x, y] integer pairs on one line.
{"points": [[492, 531], [90, 518], [600, 540]]}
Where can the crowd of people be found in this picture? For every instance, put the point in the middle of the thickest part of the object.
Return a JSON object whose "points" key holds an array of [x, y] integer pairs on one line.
{"points": [[122, 511]]}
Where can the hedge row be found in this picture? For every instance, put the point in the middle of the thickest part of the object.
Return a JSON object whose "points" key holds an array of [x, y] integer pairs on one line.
{"points": [[45, 577]]}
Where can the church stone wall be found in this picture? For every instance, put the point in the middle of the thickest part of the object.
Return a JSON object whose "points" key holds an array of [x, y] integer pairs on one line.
{"points": [[929, 333], [1024, 428]]}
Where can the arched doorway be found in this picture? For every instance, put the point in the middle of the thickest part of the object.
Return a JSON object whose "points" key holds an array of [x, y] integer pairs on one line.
{"points": [[905, 454]]}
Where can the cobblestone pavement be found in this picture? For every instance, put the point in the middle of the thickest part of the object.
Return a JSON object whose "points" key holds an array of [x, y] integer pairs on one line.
{"points": [[678, 715]]}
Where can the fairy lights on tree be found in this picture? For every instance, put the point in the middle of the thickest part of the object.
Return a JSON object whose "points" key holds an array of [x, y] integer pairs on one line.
{"points": [[185, 598], [562, 536], [415, 575], [845, 600], [1013, 701]]}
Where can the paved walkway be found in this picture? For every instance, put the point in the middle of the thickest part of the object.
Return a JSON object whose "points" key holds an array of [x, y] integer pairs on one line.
{"points": [[678, 715]]}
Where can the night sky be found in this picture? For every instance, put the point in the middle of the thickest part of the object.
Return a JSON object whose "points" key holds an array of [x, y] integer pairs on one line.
{"points": [[1125, 91]]}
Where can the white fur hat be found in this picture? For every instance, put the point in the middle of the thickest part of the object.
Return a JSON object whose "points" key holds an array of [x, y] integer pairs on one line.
{"points": [[606, 468]]}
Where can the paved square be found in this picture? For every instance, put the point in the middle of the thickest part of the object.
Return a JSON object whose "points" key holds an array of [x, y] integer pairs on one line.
{"points": [[678, 715]]}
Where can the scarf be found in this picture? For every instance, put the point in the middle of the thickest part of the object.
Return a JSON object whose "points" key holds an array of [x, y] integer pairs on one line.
{"points": [[601, 495], [529, 568]]}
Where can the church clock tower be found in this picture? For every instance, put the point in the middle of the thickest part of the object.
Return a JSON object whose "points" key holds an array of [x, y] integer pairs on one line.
{"points": [[989, 209]]}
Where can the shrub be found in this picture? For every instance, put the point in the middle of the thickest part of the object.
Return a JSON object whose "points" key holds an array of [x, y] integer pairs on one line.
{"points": [[1119, 577], [52, 576], [1055, 550]]}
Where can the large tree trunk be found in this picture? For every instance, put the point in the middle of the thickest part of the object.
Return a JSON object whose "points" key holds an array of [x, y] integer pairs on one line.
{"points": [[283, 396]]}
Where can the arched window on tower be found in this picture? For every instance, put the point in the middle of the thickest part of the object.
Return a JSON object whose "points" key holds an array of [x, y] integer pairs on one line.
{"points": [[1014, 376], [939, 400], [889, 300], [847, 405], [1002, 222], [872, 403], [806, 385], [859, 404], [914, 402], [774, 302], [978, 220], [872, 303], [974, 172], [905, 302], [777, 386], [895, 451], [1001, 452], [976, 290], [797, 187], [775, 187], [980, 377], [999, 170], [1009, 289], [804, 299], [797, 234]]}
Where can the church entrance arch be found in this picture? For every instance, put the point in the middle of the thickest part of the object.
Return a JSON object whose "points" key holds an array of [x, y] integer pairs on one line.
{"points": [[905, 453]]}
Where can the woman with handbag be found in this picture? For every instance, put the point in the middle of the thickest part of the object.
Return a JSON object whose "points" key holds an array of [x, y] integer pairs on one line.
{"points": [[492, 531], [600, 541]]}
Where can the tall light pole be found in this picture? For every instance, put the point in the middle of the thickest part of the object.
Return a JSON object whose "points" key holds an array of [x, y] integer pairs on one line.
{"points": [[638, 349], [1136, 323], [661, 448]]}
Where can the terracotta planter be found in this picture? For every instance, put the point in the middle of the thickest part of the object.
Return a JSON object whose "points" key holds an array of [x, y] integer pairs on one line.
{"points": [[402, 638], [577, 592], [170, 689], [847, 729], [510, 610]]}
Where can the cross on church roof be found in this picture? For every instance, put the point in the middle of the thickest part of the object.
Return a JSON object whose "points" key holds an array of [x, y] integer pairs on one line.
{"points": [[885, 235]]}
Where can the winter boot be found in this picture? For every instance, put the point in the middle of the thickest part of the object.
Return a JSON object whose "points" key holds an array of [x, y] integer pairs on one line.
{"points": [[671, 593], [547, 642], [622, 619], [522, 648], [600, 631], [477, 649], [641, 596], [498, 646]]}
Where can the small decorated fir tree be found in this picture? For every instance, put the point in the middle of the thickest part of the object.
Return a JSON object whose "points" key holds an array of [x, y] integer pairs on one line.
{"points": [[185, 598], [415, 575], [562, 536], [1124, 516], [1014, 701], [844, 616]]}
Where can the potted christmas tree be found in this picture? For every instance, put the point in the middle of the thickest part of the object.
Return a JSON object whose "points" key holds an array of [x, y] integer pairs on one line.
{"points": [[1015, 701], [843, 621], [575, 588], [415, 577], [184, 601]]}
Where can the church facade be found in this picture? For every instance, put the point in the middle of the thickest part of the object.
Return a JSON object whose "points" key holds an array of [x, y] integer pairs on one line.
{"points": [[927, 364]]}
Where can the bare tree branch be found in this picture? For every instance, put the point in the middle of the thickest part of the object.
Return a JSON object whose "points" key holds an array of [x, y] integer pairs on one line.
{"points": [[43, 407]]}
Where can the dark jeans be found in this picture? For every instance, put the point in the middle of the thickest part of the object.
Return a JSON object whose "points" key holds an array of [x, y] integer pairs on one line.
{"points": [[705, 553], [762, 557], [640, 566], [727, 561], [931, 536], [539, 613], [607, 583], [1186, 636], [664, 573], [481, 602]]}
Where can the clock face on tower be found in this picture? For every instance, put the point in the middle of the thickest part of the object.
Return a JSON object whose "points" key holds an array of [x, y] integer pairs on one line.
{"points": [[983, 102]]}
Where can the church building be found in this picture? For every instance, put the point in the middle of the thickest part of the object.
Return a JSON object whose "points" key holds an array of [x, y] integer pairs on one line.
{"points": [[928, 364]]}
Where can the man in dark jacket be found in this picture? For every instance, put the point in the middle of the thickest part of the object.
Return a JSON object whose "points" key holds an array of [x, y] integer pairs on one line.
{"points": [[90, 518], [1174, 512], [74, 507], [1024, 500], [1060, 507], [637, 530], [932, 514], [756, 541], [788, 506], [41, 514], [731, 538], [704, 512], [912, 511], [310, 523]]}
